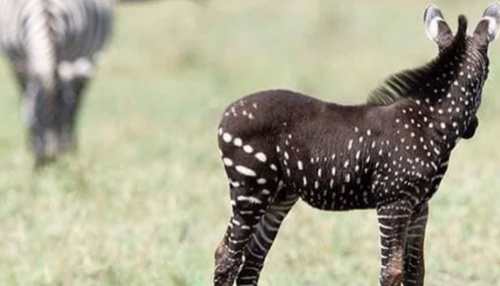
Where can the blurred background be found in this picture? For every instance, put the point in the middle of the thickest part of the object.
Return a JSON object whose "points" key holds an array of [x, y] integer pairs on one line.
{"points": [[145, 200]]}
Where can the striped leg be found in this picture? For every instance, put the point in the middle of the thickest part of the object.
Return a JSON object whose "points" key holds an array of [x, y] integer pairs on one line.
{"points": [[250, 198], [70, 97], [263, 237], [40, 121], [20, 75], [414, 260], [393, 221]]}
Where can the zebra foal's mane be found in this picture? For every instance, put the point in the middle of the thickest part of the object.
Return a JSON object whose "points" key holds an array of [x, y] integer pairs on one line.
{"points": [[410, 83]]}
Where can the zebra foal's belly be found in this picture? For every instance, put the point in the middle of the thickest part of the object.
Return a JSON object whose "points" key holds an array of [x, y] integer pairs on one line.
{"points": [[331, 190], [339, 199], [337, 181]]}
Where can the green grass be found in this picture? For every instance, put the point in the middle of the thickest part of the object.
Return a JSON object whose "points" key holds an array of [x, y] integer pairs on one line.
{"points": [[145, 201]]}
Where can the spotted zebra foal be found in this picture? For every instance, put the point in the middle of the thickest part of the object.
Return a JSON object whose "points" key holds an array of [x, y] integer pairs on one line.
{"points": [[389, 154]]}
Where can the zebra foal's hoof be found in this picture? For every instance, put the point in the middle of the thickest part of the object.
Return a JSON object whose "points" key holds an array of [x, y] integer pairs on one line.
{"points": [[226, 268]]}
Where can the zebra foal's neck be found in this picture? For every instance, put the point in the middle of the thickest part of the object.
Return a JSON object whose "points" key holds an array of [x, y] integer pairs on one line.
{"points": [[444, 95]]}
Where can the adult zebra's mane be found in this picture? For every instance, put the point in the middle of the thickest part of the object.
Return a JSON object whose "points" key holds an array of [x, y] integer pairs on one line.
{"points": [[410, 83]]}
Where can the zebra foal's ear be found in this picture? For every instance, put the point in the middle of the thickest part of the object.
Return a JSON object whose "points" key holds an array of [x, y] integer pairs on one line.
{"points": [[436, 27], [487, 28]]}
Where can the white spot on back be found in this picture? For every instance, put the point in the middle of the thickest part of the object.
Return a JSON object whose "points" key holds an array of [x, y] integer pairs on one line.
{"points": [[261, 157], [245, 171], [227, 137], [237, 142], [248, 149], [228, 162]]}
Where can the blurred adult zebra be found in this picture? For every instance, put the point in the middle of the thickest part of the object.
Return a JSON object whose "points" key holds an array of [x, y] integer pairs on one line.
{"points": [[52, 46]]}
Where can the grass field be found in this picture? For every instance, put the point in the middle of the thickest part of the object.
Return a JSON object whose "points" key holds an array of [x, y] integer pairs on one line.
{"points": [[145, 201]]}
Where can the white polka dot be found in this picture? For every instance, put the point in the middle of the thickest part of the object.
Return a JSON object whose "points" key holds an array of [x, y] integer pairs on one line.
{"points": [[245, 171], [300, 165], [228, 162], [248, 149], [237, 142], [261, 157], [349, 146], [348, 178], [227, 137]]}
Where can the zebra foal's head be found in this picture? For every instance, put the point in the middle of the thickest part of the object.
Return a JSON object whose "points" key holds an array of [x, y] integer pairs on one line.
{"points": [[464, 57], [474, 47], [438, 30]]}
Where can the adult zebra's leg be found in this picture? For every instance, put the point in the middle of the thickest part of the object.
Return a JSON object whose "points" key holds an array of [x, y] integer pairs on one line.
{"points": [[249, 200], [414, 255], [393, 221], [263, 237], [74, 77], [20, 75], [71, 93], [39, 112]]}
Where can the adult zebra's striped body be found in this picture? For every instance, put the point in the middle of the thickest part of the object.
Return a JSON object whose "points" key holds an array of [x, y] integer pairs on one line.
{"points": [[52, 46]]}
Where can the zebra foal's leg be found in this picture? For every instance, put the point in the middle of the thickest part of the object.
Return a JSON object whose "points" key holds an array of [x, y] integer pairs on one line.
{"points": [[414, 256], [262, 239], [250, 197], [393, 222]]}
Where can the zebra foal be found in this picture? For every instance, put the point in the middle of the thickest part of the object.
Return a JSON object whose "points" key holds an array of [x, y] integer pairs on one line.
{"points": [[389, 154], [52, 46]]}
